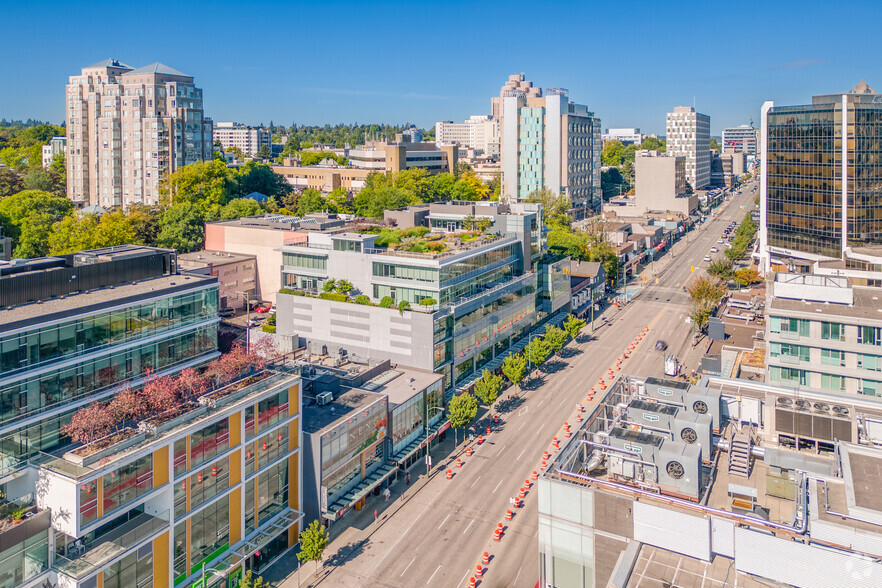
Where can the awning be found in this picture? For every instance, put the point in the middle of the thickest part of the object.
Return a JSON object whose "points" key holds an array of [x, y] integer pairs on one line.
{"points": [[364, 488], [420, 442]]}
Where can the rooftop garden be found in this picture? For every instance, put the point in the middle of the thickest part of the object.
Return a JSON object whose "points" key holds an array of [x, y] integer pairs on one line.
{"points": [[344, 291], [12, 512], [162, 398], [421, 240]]}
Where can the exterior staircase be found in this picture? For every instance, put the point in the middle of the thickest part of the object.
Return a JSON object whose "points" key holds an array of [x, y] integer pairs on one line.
{"points": [[739, 454]]}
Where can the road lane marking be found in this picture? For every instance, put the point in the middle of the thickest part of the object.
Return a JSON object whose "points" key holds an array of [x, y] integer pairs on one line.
{"points": [[497, 486], [388, 551], [469, 525], [521, 454], [501, 449], [475, 482], [408, 566], [444, 521], [522, 425], [433, 575]]}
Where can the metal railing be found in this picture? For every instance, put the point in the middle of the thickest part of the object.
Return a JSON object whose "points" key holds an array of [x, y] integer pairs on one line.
{"points": [[84, 556]]}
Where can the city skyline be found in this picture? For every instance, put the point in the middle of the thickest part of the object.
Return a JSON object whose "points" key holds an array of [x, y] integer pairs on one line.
{"points": [[444, 73]]}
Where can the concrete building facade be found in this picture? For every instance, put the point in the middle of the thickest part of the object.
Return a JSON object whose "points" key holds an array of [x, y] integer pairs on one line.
{"points": [[688, 135], [324, 178], [236, 274], [661, 184], [394, 157], [741, 139], [549, 142], [127, 129], [624, 136], [479, 132], [55, 146], [248, 139]]}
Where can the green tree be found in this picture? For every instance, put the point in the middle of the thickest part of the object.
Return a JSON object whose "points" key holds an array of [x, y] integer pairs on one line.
{"points": [[461, 410], [442, 186], [704, 292], [428, 302], [340, 201], [199, 185], [37, 179], [556, 338], [612, 154], [313, 541], [27, 217], [721, 268], [10, 182], [653, 144], [386, 302], [362, 299], [715, 145], [235, 152], [469, 187], [259, 177], [310, 201], [403, 305], [372, 202], [573, 325], [264, 152], [344, 286], [240, 207], [182, 228], [329, 285], [488, 387], [145, 221], [72, 233], [514, 367], [537, 351], [555, 207], [249, 581]]}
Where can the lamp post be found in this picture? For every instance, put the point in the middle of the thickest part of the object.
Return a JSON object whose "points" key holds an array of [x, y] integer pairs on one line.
{"points": [[430, 408], [212, 570]]}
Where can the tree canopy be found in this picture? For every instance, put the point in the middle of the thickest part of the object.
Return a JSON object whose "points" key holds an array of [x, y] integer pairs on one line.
{"points": [[27, 217]]}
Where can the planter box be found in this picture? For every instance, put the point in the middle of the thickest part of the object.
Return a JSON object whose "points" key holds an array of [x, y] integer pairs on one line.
{"points": [[86, 460], [193, 413]]}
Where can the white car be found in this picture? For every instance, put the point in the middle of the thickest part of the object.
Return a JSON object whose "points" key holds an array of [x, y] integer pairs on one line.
{"points": [[707, 257], [720, 241], [714, 249]]}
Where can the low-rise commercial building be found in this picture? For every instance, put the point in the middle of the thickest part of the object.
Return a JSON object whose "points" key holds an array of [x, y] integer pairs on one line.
{"points": [[385, 157], [466, 293], [588, 286], [324, 178], [661, 184], [362, 426], [643, 491], [236, 274]]}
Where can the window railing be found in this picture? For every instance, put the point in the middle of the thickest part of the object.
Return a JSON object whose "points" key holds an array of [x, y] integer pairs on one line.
{"points": [[84, 556]]}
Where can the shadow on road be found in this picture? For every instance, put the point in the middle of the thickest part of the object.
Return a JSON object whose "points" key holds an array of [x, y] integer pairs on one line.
{"points": [[509, 404], [345, 553]]}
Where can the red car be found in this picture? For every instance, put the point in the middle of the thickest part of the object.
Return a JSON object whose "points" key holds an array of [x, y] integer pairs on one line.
{"points": [[265, 307]]}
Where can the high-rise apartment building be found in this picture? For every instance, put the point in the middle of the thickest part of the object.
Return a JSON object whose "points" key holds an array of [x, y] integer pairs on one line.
{"points": [[548, 142], [127, 129], [687, 133], [819, 192], [248, 139], [740, 139], [479, 132]]}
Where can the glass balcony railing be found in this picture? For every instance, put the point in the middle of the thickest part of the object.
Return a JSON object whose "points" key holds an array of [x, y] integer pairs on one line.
{"points": [[84, 556]]}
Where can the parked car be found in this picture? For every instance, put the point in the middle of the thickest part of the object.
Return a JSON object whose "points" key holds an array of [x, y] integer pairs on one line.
{"points": [[720, 241], [672, 365], [714, 249], [707, 258], [225, 312], [263, 308]]}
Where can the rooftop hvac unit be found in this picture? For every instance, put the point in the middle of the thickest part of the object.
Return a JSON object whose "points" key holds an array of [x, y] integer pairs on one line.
{"points": [[665, 390], [683, 425], [839, 411], [679, 469], [637, 447], [821, 408], [695, 429], [326, 397], [784, 402], [699, 400]]}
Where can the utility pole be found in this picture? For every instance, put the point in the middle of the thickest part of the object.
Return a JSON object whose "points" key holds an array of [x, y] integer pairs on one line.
{"points": [[247, 295]]}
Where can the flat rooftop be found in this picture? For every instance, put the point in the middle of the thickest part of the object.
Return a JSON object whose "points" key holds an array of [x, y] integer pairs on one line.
{"points": [[316, 418], [400, 384], [210, 256], [54, 308], [867, 305], [660, 568]]}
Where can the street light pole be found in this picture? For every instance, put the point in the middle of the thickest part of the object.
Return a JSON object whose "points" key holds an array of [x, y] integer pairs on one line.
{"points": [[247, 295], [428, 408]]}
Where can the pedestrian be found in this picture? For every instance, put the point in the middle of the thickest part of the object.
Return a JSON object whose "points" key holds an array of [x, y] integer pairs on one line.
{"points": [[387, 494], [407, 479]]}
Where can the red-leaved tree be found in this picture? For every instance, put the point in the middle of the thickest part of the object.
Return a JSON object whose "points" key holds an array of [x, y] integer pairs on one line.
{"points": [[161, 394], [191, 384], [127, 405], [90, 423]]}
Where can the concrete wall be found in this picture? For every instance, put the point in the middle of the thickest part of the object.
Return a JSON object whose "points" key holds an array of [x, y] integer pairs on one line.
{"points": [[365, 332], [260, 242]]}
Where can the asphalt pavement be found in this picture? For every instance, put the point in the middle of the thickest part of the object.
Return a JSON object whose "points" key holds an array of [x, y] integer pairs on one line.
{"points": [[434, 531]]}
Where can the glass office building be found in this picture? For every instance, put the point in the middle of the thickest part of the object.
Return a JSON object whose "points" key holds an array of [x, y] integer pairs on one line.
{"points": [[822, 176]]}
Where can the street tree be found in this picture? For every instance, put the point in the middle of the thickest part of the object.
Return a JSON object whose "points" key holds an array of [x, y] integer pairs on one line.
{"points": [[488, 387], [721, 268], [461, 411], [249, 581], [556, 338], [313, 541], [514, 367], [537, 351], [573, 325], [182, 228], [747, 276], [704, 292]]}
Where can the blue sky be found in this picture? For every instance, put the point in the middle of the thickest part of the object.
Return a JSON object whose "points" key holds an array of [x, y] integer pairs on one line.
{"points": [[419, 62]]}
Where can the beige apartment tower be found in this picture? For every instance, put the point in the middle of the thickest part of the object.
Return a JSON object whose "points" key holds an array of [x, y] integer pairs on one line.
{"points": [[127, 129], [687, 134]]}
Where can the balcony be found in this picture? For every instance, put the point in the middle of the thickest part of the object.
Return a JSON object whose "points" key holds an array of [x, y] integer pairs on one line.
{"points": [[84, 556]]}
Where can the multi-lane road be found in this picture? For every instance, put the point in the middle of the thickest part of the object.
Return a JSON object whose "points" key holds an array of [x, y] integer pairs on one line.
{"points": [[439, 527]]}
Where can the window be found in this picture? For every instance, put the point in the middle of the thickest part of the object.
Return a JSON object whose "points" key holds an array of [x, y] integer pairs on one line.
{"points": [[342, 245], [869, 362], [791, 326], [788, 375], [831, 382], [88, 502], [870, 335], [133, 571], [209, 442], [870, 388], [127, 483], [832, 357], [832, 331], [272, 492]]}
